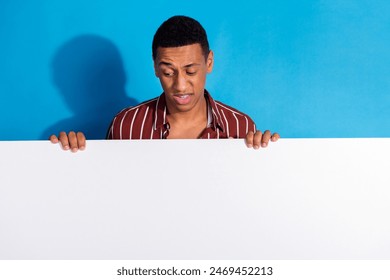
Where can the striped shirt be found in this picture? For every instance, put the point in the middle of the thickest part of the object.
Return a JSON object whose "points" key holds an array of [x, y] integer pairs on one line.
{"points": [[148, 121]]}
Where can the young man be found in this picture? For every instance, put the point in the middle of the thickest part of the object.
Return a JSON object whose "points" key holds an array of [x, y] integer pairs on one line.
{"points": [[185, 110]]}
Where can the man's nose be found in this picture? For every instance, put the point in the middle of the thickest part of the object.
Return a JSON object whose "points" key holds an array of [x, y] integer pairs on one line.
{"points": [[180, 83]]}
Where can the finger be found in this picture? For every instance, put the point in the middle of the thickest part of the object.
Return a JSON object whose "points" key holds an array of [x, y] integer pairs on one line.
{"points": [[275, 137], [257, 139], [265, 139], [53, 138], [81, 140], [64, 140], [249, 139], [73, 141]]}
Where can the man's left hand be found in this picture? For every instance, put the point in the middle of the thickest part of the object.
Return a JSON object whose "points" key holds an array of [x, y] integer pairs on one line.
{"points": [[259, 139]]}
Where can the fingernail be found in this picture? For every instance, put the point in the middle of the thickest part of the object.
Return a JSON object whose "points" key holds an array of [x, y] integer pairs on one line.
{"points": [[249, 145], [256, 147], [264, 145]]}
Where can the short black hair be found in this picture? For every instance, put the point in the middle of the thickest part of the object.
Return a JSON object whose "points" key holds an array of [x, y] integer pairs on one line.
{"points": [[179, 31]]}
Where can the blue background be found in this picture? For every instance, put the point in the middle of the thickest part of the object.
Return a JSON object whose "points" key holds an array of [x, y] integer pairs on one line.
{"points": [[302, 68]]}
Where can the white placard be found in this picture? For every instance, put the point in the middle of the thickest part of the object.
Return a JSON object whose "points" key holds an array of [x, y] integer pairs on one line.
{"points": [[196, 199]]}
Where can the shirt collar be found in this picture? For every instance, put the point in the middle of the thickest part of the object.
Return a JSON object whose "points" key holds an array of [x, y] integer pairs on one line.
{"points": [[217, 119], [214, 119], [160, 115]]}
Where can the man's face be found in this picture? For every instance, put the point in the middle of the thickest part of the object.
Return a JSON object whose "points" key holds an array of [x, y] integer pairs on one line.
{"points": [[182, 72]]}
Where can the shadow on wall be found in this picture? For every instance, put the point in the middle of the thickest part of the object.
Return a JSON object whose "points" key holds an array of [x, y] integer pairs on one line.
{"points": [[88, 72]]}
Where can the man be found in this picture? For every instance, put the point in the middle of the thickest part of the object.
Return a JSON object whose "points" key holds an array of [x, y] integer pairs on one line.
{"points": [[185, 110]]}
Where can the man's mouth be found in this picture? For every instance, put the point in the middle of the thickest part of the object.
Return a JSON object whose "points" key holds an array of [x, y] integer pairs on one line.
{"points": [[182, 99]]}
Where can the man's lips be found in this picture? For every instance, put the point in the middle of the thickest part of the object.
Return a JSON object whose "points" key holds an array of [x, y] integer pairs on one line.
{"points": [[182, 99]]}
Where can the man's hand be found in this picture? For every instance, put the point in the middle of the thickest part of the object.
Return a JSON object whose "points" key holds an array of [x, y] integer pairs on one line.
{"points": [[259, 139], [73, 141]]}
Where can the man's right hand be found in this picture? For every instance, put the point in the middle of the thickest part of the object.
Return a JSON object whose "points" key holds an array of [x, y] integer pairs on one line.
{"points": [[73, 141]]}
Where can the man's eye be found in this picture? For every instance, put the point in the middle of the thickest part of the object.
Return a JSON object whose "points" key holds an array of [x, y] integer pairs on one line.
{"points": [[168, 74], [191, 73]]}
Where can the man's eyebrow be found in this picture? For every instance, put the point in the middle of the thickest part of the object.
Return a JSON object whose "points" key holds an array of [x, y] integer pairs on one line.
{"points": [[165, 63], [191, 65], [185, 66]]}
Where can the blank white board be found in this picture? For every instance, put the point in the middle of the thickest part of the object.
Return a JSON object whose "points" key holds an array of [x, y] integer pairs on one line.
{"points": [[196, 199]]}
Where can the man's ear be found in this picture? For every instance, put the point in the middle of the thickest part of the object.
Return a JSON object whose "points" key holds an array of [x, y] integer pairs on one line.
{"points": [[210, 61], [155, 67]]}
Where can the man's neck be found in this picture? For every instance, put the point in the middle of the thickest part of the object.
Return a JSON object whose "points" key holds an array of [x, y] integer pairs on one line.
{"points": [[196, 115], [188, 125]]}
